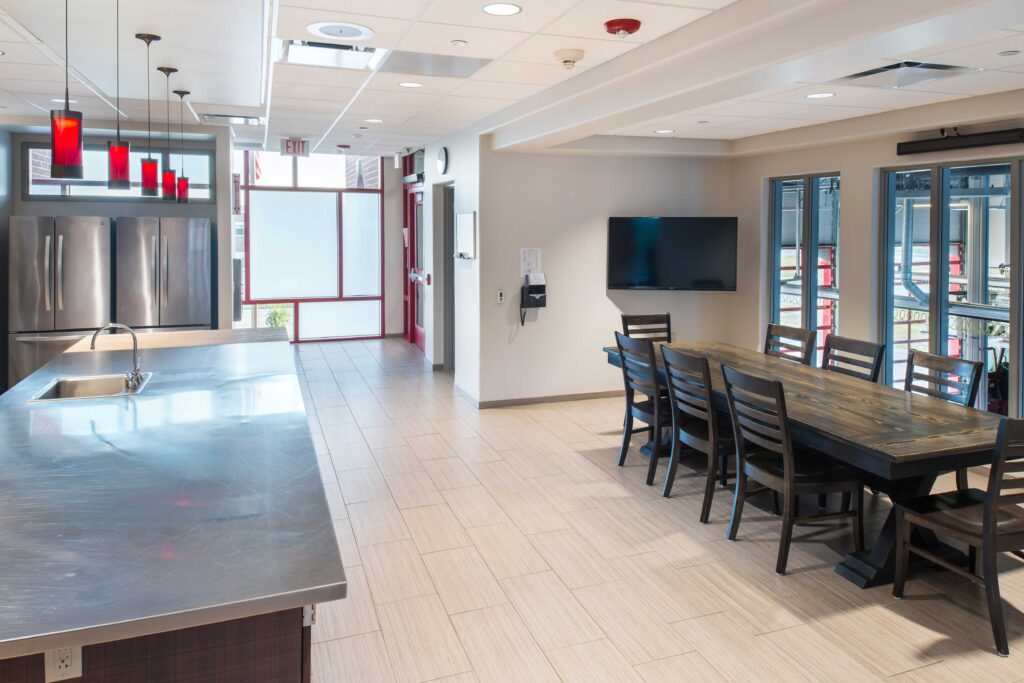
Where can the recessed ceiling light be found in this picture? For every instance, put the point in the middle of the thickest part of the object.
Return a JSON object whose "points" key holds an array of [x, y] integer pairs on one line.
{"points": [[410, 84], [665, 131], [459, 43], [374, 121], [60, 100], [339, 30], [1004, 53], [502, 9], [820, 95], [2, 53]]}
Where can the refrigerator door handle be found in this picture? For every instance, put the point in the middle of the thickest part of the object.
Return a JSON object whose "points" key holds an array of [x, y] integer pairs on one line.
{"points": [[156, 269], [60, 272], [47, 282], [166, 259]]}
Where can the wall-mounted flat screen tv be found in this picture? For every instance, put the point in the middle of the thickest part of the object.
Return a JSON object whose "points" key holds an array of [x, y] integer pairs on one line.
{"points": [[672, 253]]}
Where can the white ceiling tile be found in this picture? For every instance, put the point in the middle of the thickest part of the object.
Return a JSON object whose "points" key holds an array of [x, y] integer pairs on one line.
{"points": [[444, 112], [503, 71], [397, 9], [478, 104], [293, 22], [535, 15], [304, 91], [504, 91], [301, 103], [700, 4], [307, 114], [541, 49], [586, 20], [861, 96], [32, 72], [22, 53], [319, 76], [482, 43], [402, 99], [977, 83], [972, 47]]}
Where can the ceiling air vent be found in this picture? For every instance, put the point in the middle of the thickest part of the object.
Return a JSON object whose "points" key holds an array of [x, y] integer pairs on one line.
{"points": [[233, 120], [904, 74]]}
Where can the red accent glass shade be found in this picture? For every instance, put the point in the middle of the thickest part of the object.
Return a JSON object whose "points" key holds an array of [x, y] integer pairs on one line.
{"points": [[183, 190], [170, 189], [118, 177], [65, 144], [149, 188]]}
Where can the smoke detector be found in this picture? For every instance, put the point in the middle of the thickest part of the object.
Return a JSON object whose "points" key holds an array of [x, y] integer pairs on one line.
{"points": [[622, 28], [569, 57]]}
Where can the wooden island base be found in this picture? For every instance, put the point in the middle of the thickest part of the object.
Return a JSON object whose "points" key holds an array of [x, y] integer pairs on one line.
{"points": [[271, 648]]}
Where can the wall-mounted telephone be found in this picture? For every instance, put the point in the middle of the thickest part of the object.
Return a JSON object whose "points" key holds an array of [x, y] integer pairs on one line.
{"points": [[534, 294]]}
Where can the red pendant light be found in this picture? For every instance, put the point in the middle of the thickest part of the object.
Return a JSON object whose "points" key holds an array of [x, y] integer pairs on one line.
{"points": [[169, 183], [183, 180], [65, 128], [118, 151], [149, 166]]}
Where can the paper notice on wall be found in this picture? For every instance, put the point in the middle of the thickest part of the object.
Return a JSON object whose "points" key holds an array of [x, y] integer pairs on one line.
{"points": [[529, 261]]}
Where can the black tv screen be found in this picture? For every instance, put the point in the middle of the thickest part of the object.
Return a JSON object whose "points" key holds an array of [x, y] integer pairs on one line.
{"points": [[672, 253]]}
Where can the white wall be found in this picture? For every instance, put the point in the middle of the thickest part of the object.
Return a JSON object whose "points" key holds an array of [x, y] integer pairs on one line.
{"points": [[394, 277], [561, 204]]}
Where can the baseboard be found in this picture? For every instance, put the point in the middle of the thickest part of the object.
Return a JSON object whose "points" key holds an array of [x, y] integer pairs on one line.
{"points": [[504, 403]]}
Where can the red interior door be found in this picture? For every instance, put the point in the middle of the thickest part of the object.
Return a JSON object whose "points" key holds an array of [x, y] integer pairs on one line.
{"points": [[418, 277]]}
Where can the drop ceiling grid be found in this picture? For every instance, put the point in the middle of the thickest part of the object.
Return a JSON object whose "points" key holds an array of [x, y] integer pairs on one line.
{"points": [[523, 43]]}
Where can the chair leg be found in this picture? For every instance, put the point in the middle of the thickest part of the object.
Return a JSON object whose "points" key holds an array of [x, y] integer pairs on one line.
{"points": [[709, 489], [844, 505], [822, 501], [961, 479], [788, 514], [655, 453], [673, 463], [627, 434], [995, 603], [902, 554], [776, 507], [858, 519], [737, 505], [972, 560], [724, 463]]}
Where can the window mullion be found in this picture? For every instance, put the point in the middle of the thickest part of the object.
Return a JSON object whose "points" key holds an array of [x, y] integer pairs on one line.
{"points": [[1016, 315], [809, 258], [938, 304]]}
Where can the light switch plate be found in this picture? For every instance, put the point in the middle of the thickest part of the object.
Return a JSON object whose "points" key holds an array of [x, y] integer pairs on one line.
{"points": [[63, 664]]}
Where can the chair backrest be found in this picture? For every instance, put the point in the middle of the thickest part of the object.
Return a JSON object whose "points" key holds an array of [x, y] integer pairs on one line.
{"points": [[1005, 489], [758, 410], [853, 357], [688, 380], [791, 343], [951, 379], [657, 327], [639, 368]]}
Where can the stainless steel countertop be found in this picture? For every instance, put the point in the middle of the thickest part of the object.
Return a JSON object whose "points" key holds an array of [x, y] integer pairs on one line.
{"points": [[197, 501]]}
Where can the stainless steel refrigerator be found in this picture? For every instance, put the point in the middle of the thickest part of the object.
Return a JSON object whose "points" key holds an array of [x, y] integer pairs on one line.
{"points": [[164, 269], [59, 286]]}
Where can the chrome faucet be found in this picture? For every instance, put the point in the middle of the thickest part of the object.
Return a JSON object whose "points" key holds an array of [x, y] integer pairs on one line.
{"points": [[133, 379]]}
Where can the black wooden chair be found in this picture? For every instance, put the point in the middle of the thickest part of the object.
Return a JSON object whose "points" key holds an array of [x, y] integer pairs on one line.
{"points": [[694, 421], [656, 327], [758, 409], [791, 343], [992, 521], [853, 357], [640, 374], [951, 379]]}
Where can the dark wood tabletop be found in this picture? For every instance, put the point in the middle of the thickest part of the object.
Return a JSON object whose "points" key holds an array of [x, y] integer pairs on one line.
{"points": [[886, 431], [900, 441]]}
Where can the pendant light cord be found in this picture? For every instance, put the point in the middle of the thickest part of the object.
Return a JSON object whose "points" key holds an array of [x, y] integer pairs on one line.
{"points": [[149, 114], [181, 123], [117, 64], [67, 98], [168, 98]]}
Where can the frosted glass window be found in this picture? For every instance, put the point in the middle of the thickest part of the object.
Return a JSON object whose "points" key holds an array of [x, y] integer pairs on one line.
{"points": [[293, 245], [361, 250], [196, 168], [321, 170], [338, 319], [271, 169]]}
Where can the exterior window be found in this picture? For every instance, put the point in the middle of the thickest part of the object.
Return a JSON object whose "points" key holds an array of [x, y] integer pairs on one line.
{"points": [[963, 252], [805, 254]]}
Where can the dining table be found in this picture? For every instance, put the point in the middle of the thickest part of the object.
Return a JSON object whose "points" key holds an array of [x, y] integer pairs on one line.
{"points": [[899, 441]]}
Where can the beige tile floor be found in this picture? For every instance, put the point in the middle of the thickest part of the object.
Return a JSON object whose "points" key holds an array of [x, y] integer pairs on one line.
{"points": [[505, 545]]}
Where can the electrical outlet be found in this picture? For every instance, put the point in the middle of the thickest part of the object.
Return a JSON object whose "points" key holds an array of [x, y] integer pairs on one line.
{"points": [[501, 296], [63, 663]]}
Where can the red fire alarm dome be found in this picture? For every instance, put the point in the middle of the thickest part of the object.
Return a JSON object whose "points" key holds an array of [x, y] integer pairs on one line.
{"points": [[622, 27]]}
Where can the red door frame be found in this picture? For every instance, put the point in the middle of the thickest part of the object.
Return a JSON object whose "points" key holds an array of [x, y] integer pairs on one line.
{"points": [[415, 274]]}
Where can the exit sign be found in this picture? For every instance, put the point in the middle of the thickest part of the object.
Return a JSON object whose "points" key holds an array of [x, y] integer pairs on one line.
{"points": [[294, 147]]}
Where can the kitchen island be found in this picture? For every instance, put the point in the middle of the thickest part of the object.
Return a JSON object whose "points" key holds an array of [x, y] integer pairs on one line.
{"points": [[177, 534]]}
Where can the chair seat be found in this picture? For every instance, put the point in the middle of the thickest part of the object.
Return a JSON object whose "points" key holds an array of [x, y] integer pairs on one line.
{"points": [[645, 410], [808, 469], [699, 428], [964, 510]]}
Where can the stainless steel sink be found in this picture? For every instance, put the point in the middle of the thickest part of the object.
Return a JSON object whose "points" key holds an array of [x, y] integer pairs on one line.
{"points": [[99, 386]]}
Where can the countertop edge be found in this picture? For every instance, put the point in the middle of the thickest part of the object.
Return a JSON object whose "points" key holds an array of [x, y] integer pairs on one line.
{"points": [[106, 633]]}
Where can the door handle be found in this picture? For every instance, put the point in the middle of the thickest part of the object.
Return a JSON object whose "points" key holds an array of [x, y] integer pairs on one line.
{"points": [[156, 269], [60, 272], [415, 277], [47, 282], [167, 278]]}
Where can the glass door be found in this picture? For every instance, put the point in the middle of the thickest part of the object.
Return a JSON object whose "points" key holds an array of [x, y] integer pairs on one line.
{"points": [[418, 277]]}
